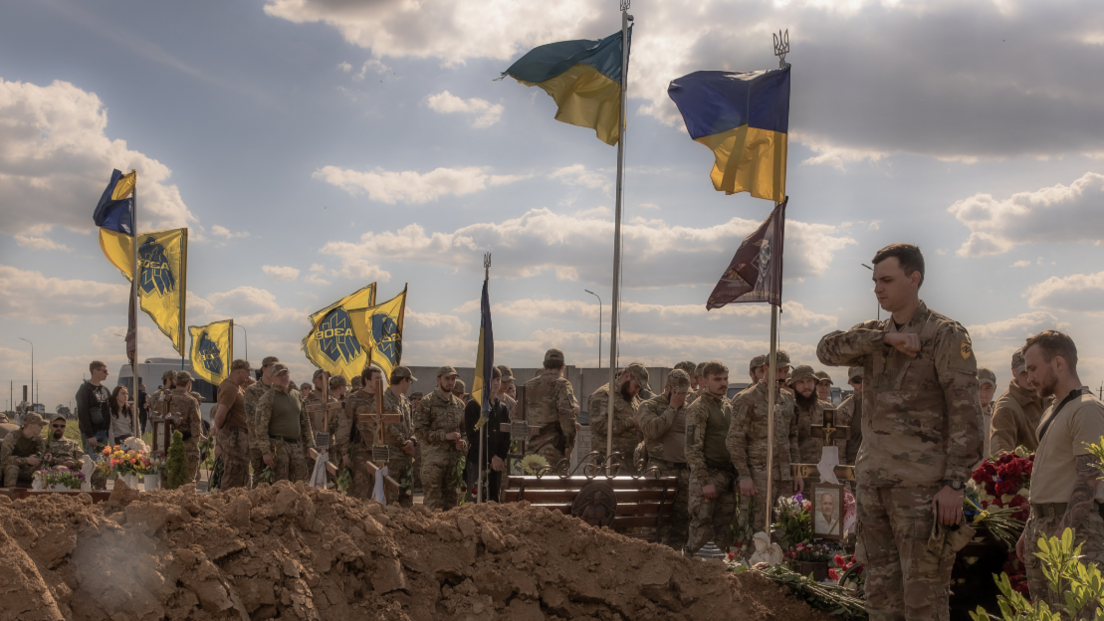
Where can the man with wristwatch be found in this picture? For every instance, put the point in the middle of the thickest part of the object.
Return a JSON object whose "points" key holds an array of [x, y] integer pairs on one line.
{"points": [[921, 428]]}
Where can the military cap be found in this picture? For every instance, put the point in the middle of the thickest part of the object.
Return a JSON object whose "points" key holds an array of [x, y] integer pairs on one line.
{"points": [[782, 359], [447, 371], [822, 376], [58, 417], [183, 377], [459, 388], [757, 362], [507, 373], [269, 360], [402, 373], [1019, 365], [687, 366], [639, 373], [239, 364], [416, 395], [553, 355], [168, 375], [985, 375], [853, 372], [318, 373], [678, 380], [32, 418], [338, 380], [305, 386], [279, 368], [700, 369], [799, 373]]}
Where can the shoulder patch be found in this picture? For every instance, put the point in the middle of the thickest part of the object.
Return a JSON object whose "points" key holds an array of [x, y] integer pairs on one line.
{"points": [[965, 349]]}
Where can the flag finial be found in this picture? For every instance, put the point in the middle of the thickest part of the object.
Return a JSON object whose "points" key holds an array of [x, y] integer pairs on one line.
{"points": [[782, 47]]}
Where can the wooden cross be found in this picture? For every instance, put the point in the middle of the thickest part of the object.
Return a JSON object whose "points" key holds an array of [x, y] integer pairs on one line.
{"points": [[322, 436], [381, 451], [829, 432]]}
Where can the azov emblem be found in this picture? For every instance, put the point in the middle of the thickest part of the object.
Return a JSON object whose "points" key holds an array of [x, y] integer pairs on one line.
{"points": [[210, 355], [335, 337], [385, 332], [156, 274]]}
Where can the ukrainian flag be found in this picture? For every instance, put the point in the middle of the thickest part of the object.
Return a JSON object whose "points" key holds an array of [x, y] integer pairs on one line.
{"points": [[743, 118], [583, 77], [115, 211], [332, 344], [213, 350], [380, 329], [484, 359]]}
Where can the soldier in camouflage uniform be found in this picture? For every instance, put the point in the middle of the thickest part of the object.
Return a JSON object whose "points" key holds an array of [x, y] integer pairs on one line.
{"points": [[184, 409], [626, 431], [849, 414], [663, 423], [22, 451], [284, 429], [747, 442], [810, 411], [550, 406], [824, 386], [699, 381], [921, 403], [404, 444], [689, 368], [439, 424], [353, 440], [253, 395], [160, 397], [711, 498], [315, 398], [64, 452], [503, 391]]}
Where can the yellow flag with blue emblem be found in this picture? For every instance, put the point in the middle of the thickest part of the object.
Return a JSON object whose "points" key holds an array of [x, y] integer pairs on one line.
{"points": [[380, 329], [213, 350], [162, 269], [332, 344]]}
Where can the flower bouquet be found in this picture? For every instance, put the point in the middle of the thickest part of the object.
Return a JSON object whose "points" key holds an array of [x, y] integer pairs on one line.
{"points": [[794, 519], [996, 495], [126, 464], [813, 552], [62, 479], [847, 572]]}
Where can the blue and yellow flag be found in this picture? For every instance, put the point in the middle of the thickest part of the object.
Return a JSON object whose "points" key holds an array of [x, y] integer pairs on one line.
{"points": [[162, 268], [380, 329], [115, 211], [332, 344], [583, 77], [743, 118], [484, 359], [213, 350]]}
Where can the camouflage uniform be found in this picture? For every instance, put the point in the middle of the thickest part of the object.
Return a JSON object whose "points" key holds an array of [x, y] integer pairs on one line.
{"points": [[15, 450], [187, 418], [926, 416], [253, 395], [664, 430], [809, 447], [401, 465], [747, 442], [64, 450], [439, 414], [288, 452], [550, 406], [355, 440], [1016, 417], [707, 422], [849, 414], [626, 435]]}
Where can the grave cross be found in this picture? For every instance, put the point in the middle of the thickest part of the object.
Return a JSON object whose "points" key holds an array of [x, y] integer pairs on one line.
{"points": [[829, 432], [322, 411]]}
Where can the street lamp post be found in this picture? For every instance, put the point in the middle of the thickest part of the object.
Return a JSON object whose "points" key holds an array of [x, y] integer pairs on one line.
{"points": [[238, 325], [599, 326], [32, 372]]}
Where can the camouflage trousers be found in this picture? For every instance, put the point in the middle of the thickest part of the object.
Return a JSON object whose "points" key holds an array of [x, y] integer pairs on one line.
{"points": [[191, 453], [626, 445], [233, 444], [676, 531], [290, 462], [753, 510], [711, 520], [545, 446], [14, 474], [440, 479], [1043, 523], [256, 464], [904, 579]]}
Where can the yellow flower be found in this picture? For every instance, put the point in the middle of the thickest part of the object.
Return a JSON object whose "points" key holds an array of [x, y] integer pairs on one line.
{"points": [[531, 464]]}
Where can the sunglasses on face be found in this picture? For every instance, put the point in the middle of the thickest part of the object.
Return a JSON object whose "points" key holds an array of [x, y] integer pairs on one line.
{"points": [[57, 426]]}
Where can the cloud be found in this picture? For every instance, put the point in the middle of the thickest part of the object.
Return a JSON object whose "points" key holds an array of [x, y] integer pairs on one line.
{"points": [[1082, 293], [447, 103], [55, 155], [251, 306], [1019, 327], [578, 174], [25, 240], [576, 247], [30, 296], [281, 274], [410, 186], [1044, 215], [1021, 263], [938, 93], [221, 231]]}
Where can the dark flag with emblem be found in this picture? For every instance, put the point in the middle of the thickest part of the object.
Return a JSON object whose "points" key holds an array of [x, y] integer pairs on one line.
{"points": [[380, 329], [755, 272], [213, 350], [484, 358], [333, 343]]}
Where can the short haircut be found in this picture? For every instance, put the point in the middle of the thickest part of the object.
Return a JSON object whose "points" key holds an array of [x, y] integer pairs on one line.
{"points": [[713, 368], [908, 257], [96, 364], [305, 386], [1054, 343], [495, 373], [239, 364], [553, 364], [368, 372]]}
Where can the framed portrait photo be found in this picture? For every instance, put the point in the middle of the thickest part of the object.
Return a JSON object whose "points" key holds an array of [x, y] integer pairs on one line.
{"points": [[827, 506]]}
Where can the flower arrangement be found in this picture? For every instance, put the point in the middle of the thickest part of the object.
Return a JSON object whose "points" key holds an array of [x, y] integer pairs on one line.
{"points": [[793, 516], [996, 495], [63, 476], [844, 564], [532, 464], [124, 462], [812, 552], [1016, 572]]}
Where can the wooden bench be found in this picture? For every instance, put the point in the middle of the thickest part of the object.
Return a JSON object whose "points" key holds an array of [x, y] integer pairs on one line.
{"points": [[643, 504]]}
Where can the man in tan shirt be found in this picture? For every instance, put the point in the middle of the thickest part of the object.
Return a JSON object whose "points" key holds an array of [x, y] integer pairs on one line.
{"points": [[1016, 413], [1064, 478]]}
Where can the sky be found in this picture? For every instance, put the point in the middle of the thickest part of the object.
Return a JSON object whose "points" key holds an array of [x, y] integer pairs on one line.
{"points": [[315, 146]]}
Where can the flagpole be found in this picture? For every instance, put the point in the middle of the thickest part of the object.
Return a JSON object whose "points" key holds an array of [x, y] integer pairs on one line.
{"points": [[615, 305], [486, 387], [772, 386], [135, 418]]}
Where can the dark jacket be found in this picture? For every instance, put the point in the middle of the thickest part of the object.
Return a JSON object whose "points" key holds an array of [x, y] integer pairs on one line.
{"points": [[498, 442], [93, 409]]}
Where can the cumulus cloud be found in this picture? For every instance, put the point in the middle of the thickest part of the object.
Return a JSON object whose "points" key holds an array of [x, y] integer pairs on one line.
{"points": [[1044, 215], [1078, 292], [281, 273], [221, 231], [25, 240], [55, 155], [252, 306], [938, 92], [576, 247], [30, 296], [580, 175], [410, 186], [1019, 327], [486, 113]]}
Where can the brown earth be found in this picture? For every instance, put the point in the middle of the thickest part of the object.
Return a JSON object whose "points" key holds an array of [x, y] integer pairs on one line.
{"points": [[291, 552]]}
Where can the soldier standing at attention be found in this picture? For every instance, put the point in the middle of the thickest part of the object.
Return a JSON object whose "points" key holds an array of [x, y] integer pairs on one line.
{"points": [[810, 411], [1017, 413], [439, 424], [663, 423], [64, 451], [503, 391], [626, 431], [160, 396], [849, 414], [285, 429], [184, 408], [550, 405], [315, 398], [404, 444], [1065, 475], [824, 386], [257, 435], [353, 439], [21, 452], [231, 429], [711, 497], [921, 404]]}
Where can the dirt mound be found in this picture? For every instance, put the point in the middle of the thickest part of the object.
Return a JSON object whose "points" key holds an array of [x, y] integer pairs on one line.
{"points": [[291, 552]]}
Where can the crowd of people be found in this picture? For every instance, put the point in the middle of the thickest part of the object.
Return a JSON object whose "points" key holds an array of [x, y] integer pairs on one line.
{"points": [[921, 416]]}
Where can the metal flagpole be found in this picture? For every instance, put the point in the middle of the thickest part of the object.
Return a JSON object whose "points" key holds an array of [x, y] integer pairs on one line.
{"points": [[135, 419], [615, 305]]}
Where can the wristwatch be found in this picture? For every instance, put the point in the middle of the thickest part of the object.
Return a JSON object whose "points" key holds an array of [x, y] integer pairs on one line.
{"points": [[955, 485]]}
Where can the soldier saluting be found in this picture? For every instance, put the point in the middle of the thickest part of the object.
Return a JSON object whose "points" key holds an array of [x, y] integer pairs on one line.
{"points": [[921, 423]]}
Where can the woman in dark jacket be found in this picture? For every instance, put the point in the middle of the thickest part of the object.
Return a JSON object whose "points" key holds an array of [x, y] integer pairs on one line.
{"points": [[498, 442]]}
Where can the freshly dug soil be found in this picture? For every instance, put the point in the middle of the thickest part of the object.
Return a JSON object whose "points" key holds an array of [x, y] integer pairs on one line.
{"points": [[292, 552]]}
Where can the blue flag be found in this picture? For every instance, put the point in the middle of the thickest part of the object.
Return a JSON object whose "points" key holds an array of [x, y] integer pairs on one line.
{"points": [[484, 359], [115, 211]]}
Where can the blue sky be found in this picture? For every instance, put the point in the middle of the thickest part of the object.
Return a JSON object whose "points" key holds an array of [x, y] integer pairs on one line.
{"points": [[314, 146]]}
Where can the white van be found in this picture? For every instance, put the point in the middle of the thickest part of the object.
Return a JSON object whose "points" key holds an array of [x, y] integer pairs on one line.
{"points": [[150, 372]]}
